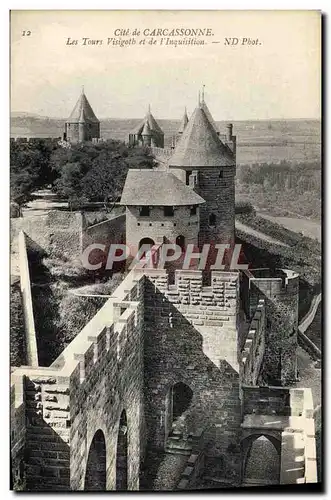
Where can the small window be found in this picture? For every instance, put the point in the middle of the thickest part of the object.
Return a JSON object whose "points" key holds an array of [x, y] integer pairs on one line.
{"points": [[193, 210], [145, 211], [168, 211], [212, 220], [188, 173], [221, 174], [138, 223]]}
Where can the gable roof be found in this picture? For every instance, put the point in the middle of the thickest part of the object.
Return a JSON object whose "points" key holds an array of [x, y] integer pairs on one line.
{"points": [[157, 188], [200, 146], [152, 123], [82, 112]]}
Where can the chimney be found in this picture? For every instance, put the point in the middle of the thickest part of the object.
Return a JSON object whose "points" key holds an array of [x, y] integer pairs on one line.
{"points": [[229, 129]]}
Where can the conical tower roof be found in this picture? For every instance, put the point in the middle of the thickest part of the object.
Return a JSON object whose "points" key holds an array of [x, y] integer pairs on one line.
{"points": [[200, 146], [152, 123], [82, 112], [184, 122], [146, 129], [208, 114]]}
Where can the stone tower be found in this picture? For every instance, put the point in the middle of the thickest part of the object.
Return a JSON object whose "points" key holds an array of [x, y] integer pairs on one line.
{"points": [[82, 125], [208, 164], [146, 135], [148, 132], [159, 209]]}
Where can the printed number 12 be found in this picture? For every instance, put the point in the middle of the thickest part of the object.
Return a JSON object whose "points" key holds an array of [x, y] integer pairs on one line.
{"points": [[26, 33]]}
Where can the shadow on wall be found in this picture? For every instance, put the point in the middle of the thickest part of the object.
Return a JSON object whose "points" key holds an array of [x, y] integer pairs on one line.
{"points": [[47, 454], [174, 353]]}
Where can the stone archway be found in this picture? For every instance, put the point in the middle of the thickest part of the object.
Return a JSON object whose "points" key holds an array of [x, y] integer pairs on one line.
{"points": [[178, 401], [146, 241], [95, 476], [122, 454], [180, 241], [260, 460], [181, 399]]}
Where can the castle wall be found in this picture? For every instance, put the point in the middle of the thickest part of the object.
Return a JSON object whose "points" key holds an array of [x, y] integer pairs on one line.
{"points": [[17, 432], [96, 377], [55, 233], [30, 331], [191, 337], [281, 296], [219, 194], [254, 347], [105, 232], [113, 382], [160, 228]]}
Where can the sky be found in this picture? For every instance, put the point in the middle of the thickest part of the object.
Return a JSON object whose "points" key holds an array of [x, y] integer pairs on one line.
{"points": [[277, 78]]}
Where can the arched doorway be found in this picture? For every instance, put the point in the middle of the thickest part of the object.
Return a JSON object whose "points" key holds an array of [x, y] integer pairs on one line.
{"points": [[122, 454], [95, 477], [146, 241], [181, 399], [180, 241], [261, 461], [145, 245], [212, 220], [178, 417]]}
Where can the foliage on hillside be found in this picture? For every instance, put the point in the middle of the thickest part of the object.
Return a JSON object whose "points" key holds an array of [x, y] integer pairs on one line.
{"points": [[96, 172], [17, 330], [78, 308], [60, 312], [283, 188], [84, 172], [244, 207], [277, 231], [30, 168]]}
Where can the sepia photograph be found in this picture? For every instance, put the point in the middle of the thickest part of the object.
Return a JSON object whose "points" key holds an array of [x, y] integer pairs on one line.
{"points": [[166, 251]]}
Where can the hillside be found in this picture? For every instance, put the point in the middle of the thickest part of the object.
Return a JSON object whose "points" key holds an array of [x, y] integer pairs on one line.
{"points": [[258, 141]]}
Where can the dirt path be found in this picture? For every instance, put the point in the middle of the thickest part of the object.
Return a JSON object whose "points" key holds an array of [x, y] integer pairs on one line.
{"points": [[308, 319], [258, 234], [307, 227]]}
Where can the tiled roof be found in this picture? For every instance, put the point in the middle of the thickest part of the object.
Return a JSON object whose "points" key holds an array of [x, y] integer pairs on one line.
{"points": [[152, 123], [156, 188], [82, 112], [200, 146], [146, 129], [208, 115], [184, 122]]}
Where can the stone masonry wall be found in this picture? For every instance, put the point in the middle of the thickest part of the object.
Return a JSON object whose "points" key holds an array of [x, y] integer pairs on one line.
{"points": [[254, 347], [111, 381], [55, 233], [191, 337], [96, 377], [280, 291], [105, 232], [160, 228], [219, 193], [17, 434]]}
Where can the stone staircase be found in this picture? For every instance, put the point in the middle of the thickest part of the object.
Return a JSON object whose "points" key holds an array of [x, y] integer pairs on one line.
{"points": [[178, 445]]}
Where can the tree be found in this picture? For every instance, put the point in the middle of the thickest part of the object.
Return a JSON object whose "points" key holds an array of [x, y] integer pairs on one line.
{"points": [[96, 172], [30, 169]]}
